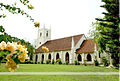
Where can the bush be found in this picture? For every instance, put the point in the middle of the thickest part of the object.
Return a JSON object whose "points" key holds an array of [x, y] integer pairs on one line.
{"points": [[48, 61], [42, 61], [96, 62], [53, 61], [38, 62], [76, 63], [59, 61], [105, 61], [67, 62], [28, 62]]}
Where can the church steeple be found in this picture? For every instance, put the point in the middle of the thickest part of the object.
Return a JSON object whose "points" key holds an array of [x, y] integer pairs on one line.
{"points": [[44, 35]]}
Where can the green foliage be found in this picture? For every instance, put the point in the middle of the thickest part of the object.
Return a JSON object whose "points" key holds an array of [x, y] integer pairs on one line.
{"points": [[105, 61], [3, 55], [67, 62], [48, 61], [76, 62], [15, 10], [59, 61], [106, 29], [96, 62], [38, 62], [29, 62], [53, 61]]}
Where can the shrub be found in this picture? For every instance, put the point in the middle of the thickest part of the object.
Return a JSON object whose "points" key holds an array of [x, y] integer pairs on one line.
{"points": [[76, 63], [59, 61], [96, 62], [48, 61], [28, 62], [53, 61], [38, 62], [105, 61], [42, 61], [67, 62]]}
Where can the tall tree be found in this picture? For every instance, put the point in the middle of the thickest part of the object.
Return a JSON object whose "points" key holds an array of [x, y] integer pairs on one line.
{"points": [[108, 30]]}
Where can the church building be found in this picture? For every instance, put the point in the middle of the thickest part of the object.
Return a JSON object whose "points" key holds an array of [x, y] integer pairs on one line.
{"points": [[71, 49]]}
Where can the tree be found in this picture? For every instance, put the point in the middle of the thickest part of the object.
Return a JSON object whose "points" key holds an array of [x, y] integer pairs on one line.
{"points": [[107, 30], [16, 10]]}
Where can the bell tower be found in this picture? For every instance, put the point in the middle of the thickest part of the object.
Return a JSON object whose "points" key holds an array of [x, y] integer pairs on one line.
{"points": [[44, 35]]}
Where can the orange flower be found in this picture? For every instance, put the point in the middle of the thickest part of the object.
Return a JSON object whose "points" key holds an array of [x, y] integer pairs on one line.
{"points": [[37, 24], [45, 49], [30, 6], [3, 45]]}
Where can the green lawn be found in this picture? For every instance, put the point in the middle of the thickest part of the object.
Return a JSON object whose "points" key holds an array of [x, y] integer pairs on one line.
{"points": [[59, 68], [59, 78]]}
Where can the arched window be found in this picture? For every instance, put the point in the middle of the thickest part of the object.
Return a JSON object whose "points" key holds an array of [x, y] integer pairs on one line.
{"points": [[40, 34], [57, 56], [36, 58], [79, 57], [89, 57], [42, 56], [67, 57], [47, 34], [49, 56]]}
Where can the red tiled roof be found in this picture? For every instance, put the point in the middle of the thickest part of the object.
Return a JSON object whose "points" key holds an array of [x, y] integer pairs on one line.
{"points": [[86, 47], [60, 44]]}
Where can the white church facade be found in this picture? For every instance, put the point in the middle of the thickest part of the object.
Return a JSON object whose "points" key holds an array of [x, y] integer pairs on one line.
{"points": [[71, 49]]}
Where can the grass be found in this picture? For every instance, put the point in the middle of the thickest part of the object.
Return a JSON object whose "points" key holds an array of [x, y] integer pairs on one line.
{"points": [[59, 78], [58, 68], [61, 68]]}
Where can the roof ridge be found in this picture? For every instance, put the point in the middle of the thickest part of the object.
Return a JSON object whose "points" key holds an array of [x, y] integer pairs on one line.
{"points": [[66, 37]]}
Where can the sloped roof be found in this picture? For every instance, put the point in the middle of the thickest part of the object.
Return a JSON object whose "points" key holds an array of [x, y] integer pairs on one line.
{"points": [[60, 44], [86, 47]]}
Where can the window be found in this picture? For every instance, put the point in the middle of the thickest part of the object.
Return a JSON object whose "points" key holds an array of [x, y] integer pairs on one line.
{"points": [[47, 34], [79, 58], [89, 57], [40, 34]]}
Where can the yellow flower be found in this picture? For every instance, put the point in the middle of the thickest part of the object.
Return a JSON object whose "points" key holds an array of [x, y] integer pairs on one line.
{"points": [[11, 65], [19, 47], [3, 45], [22, 58], [11, 47], [30, 6], [37, 24], [11, 70], [45, 49]]}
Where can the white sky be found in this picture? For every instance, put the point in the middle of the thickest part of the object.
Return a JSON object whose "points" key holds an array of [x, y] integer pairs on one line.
{"points": [[66, 17]]}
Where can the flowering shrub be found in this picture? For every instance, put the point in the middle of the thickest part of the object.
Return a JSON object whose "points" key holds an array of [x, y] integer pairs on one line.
{"points": [[45, 49], [37, 24], [15, 53]]}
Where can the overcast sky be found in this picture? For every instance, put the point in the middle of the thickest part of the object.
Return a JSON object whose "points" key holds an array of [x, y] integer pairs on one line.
{"points": [[66, 17]]}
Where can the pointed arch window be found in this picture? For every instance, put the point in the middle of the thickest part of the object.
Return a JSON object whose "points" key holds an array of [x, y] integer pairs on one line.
{"points": [[47, 34], [40, 34]]}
